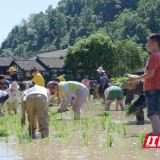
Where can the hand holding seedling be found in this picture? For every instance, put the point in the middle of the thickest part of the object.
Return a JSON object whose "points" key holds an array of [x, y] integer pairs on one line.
{"points": [[23, 119], [138, 110]]}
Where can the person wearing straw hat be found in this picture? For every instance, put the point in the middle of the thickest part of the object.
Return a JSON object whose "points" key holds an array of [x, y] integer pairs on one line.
{"points": [[13, 74], [136, 88], [61, 78], [13, 97], [103, 82]]}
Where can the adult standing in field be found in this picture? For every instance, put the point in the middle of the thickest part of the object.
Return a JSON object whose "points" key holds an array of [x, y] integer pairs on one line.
{"points": [[113, 93], [36, 99], [103, 82], [37, 77], [4, 84], [68, 89], [140, 103], [13, 74]]}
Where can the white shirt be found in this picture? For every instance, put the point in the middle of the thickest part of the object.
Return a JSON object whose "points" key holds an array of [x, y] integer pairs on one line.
{"points": [[36, 90], [2, 93], [13, 96]]}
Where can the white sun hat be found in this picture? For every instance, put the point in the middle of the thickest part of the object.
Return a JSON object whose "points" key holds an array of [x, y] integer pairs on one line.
{"points": [[100, 69]]}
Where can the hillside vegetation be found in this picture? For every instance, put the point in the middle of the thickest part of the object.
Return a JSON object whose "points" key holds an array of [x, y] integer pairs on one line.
{"points": [[73, 20]]}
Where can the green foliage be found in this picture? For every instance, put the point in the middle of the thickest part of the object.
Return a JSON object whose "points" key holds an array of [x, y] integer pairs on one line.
{"points": [[104, 113], [61, 135], [110, 141], [4, 133], [119, 81], [130, 110], [140, 139]]}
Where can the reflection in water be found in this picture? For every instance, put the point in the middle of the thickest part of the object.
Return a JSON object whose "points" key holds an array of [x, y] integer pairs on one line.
{"points": [[72, 147]]}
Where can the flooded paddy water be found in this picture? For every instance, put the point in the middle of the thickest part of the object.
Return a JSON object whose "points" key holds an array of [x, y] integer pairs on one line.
{"points": [[92, 137]]}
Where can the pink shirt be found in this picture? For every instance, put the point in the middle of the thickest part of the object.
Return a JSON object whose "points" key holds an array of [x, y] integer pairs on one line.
{"points": [[85, 82], [153, 83]]}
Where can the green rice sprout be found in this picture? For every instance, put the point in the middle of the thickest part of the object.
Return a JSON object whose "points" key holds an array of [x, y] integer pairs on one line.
{"points": [[140, 139], [50, 104], [118, 82], [85, 137], [130, 110], [101, 101], [19, 135], [29, 138], [124, 129], [60, 135], [103, 122], [110, 141], [88, 106], [4, 133], [47, 139], [104, 113]]}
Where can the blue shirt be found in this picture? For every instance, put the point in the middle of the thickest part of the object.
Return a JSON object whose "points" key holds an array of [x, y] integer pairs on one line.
{"points": [[7, 83], [103, 76], [94, 84], [15, 77]]}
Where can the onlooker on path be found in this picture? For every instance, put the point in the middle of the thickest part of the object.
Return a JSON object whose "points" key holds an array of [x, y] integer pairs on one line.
{"points": [[37, 77], [151, 79], [13, 74], [4, 84]]}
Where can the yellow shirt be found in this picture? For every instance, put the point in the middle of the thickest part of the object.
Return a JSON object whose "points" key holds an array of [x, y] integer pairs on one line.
{"points": [[38, 80]]}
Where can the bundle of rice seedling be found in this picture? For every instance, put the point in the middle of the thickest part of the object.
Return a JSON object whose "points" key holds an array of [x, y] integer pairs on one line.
{"points": [[130, 110], [119, 81], [104, 113]]}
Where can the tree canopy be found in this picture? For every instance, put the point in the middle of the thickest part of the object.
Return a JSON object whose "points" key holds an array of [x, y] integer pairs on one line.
{"points": [[73, 20], [98, 50]]}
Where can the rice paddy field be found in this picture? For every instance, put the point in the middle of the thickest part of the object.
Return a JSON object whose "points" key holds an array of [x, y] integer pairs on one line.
{"points": [[97, 135]]}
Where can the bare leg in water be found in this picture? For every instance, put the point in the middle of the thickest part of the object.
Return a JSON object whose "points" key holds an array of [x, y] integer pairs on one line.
{"points": [[155, 121]]}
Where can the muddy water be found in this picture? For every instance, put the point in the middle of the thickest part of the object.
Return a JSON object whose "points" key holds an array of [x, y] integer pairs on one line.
{"points": [[72, 147]]}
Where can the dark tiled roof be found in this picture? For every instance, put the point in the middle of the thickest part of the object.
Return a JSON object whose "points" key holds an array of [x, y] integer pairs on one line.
{"points": [[26, 65], [5, 61], [53, 54], [141, 70], [52, 63], [20, 58]]}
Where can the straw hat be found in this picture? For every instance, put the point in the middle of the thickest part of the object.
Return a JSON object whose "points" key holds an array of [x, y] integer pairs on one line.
{"points": [[11, 69], [126, 85], [14, 86], [61, 78], [100, 69], [112, 79]]}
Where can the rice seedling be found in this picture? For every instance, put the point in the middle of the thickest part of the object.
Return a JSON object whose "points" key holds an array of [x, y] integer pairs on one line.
{"points": [[140, 139], [51, 104], [85, 137], [130, 110], [88, 106], [4, 133], [124, 129], [104, 113], [110, 124], [119, 81], [19, 135], [29, 138], [101, 101], [47, 139], [60, 135], [103, 122], [110, 141]]}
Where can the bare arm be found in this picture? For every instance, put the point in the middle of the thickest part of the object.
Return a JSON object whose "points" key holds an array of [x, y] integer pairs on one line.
{"points": [[147, 75]]}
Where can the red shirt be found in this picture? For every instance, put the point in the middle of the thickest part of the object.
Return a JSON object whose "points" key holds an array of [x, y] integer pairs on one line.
{"points": [[153, 83]]}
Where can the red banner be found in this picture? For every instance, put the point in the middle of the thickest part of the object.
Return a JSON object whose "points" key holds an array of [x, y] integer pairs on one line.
{"points": [[152, 141]]}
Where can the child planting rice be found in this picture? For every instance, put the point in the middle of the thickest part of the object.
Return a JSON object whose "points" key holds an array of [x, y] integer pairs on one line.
{"points": [[112, 93], [3, 97], [13, 97], [68, 89]]}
